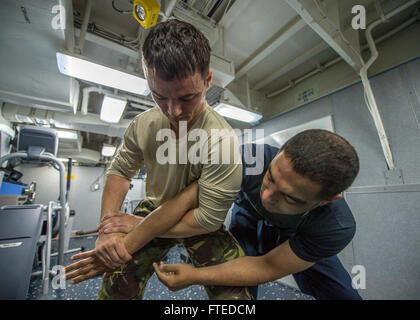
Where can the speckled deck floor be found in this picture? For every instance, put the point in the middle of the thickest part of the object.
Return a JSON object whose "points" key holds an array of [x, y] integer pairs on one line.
{"points": [[155, 290]]}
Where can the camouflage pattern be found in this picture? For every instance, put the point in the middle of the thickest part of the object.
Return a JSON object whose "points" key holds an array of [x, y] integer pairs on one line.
{"points": [[129, 282]]}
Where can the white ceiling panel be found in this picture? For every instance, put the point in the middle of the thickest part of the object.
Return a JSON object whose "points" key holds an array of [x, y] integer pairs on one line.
{"points": [[301, 42], [255, 26], [300, 70], [28, 67]]}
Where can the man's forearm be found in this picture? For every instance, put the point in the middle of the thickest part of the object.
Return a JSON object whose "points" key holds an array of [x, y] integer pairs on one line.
{"points": [[185, 228], [243, 271], [114, 193], [161, 220], [250, 271]]}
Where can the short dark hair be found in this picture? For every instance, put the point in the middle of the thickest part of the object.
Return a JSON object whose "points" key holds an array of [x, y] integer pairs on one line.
{"points": [[325, 158], [176, 49]]}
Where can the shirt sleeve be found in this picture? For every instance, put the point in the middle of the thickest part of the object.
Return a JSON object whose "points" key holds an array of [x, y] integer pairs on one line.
{"points": [[129, 157], [322, 241], [219, 185]]}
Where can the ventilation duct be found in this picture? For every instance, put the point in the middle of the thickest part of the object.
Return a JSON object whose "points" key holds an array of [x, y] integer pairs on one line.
{"points": [[89, 123], [86, 156]]}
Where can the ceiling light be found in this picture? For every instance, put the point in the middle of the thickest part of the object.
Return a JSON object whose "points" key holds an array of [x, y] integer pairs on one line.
{"points": [[70, 135], [79, 67], [140, 12], [108, 150], [112, 109], [146, 12], [229, 111]]}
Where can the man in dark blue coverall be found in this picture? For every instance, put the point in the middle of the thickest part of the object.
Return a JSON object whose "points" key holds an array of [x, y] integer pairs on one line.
{"points": [[289, 219]]}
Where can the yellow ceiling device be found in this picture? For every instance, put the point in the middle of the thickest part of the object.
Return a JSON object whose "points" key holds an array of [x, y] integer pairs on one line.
{"points": [[146, 12]]}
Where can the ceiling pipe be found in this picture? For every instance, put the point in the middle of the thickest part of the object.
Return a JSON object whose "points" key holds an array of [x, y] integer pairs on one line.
{"points": [[89, 123], [306, 56], [69, 27], [293, 83], [369, 96], [323, 23], [169, 10], [81, 42], [369, 37], [92, 37], [329, 64], [368, 93]]}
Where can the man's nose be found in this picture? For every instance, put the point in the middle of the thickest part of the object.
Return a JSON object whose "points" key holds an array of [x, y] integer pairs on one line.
{"points": [[266, 195], [174, 109], [269, 195]]}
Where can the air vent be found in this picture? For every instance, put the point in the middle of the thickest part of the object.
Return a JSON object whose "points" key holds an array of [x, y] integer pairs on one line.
{"points": [[69, 145], [87, 156]]}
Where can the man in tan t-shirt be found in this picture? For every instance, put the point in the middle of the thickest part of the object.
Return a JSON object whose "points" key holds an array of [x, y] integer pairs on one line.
{"points": [[181, 141]]}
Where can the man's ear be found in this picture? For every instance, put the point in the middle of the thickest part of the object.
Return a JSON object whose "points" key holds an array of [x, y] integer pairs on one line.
{"points": [[209, 78], [336, 197]]}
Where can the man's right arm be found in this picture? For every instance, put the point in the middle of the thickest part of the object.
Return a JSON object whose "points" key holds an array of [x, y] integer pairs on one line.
{"points": [[125, 164], [163, 219], [243, 271], [114, 193]]}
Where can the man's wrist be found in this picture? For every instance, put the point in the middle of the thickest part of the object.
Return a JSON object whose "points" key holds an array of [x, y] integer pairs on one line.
{"points": [[128, 244], [107, 214], [198, 276]]}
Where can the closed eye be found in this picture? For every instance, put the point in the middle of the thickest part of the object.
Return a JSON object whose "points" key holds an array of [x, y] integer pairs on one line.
{"points": [[158, 97], [289, 200], [188, 98]]}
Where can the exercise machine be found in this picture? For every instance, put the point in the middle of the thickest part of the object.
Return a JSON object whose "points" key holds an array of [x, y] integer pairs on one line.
{"points": [[24, 229]]}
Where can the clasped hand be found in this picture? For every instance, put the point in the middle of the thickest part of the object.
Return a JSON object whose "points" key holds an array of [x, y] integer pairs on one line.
{"points": [[109, 253], [175, 276]]}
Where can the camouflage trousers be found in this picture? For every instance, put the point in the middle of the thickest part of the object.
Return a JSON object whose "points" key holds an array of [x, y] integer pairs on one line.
{"points": [[130, 280]]}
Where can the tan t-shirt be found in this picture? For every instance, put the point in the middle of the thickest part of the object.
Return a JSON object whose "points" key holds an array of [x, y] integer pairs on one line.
{"points": [[209, 153]]}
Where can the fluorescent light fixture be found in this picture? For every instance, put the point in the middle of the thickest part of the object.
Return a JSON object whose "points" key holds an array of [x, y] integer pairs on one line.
{"points": [[108, 150], [229, 111], [112, 109], [69, 135], [81, 68]]}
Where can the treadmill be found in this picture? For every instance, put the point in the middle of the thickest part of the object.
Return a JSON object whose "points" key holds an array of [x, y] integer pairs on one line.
{"points": [[20, 228]]}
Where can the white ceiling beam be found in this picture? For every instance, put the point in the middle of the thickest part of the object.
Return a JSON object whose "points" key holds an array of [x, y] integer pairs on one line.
{"points": [[271, 45], [69, 29], [291, 65], [323, 20]]}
